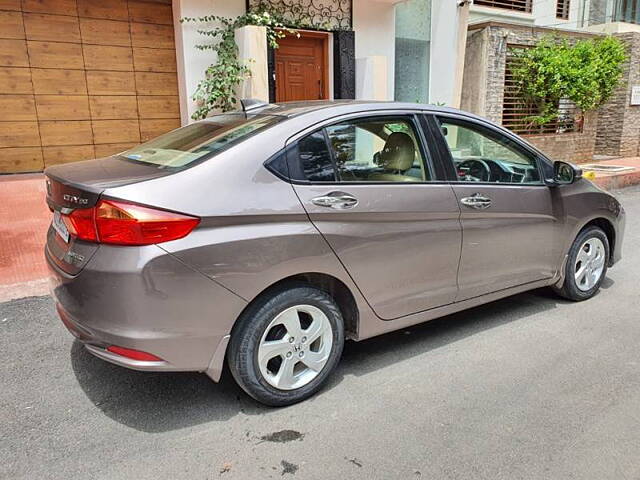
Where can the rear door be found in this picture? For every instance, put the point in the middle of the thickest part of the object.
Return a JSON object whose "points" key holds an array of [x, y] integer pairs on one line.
{"points": [[509, 222], [369, 187]]}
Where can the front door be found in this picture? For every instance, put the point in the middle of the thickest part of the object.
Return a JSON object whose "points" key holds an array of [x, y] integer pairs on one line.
{"points": [[369, 192], [509, 222], [302, 67]]}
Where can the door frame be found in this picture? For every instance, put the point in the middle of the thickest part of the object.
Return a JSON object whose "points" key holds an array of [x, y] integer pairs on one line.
{"points": [[325, 37]]}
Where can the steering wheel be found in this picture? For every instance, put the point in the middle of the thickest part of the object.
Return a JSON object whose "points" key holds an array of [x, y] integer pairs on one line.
{"points": [[475, 170]]}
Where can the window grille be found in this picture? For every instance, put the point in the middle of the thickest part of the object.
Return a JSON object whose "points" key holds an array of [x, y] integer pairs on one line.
{"points": [[516, 111]]}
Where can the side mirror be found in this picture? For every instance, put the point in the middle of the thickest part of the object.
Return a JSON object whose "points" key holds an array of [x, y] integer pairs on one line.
{"points": [[565, 173]]}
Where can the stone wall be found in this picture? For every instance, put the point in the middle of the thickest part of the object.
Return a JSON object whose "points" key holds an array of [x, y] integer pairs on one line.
{"points": [[570, 147], [483, 84], [619, 122]]}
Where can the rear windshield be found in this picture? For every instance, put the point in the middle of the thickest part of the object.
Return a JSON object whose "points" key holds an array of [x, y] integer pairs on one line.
{"points": [[187, 145]]}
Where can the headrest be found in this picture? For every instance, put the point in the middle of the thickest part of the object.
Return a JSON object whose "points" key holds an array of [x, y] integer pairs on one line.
{"points": [[398, 153]]}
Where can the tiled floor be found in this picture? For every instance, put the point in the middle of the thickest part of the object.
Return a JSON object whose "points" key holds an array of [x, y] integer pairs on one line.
{"points": [[24, 219]]}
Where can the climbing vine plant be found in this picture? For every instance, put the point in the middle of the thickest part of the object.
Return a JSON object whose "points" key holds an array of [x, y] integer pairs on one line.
{"points": [[217, 91], [586, 73]]}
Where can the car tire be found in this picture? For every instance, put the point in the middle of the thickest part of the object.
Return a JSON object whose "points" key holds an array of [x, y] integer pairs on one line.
{"points": [[258, 349], [576, 287]]}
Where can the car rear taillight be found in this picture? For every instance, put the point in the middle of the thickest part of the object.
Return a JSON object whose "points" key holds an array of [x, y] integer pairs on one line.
{"points": [[123, 223], [133, 354], [81, 224]]}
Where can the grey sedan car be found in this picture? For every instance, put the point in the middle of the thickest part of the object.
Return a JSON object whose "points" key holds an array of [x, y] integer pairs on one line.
{"points": [[264, 238]]}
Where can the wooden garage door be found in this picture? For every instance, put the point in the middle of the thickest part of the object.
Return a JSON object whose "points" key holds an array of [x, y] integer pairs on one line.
{"points": [[83, 78]]}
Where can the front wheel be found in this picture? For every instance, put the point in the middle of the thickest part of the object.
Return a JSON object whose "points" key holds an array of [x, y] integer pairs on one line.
{"points": [[286, 345], [586, 265]]}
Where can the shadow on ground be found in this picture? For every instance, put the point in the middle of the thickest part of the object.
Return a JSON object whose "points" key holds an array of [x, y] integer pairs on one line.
{"points": [[156, 402]]}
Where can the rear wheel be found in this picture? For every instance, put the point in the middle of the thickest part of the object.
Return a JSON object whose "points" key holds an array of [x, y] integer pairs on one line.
{"points": [[286, 345], [586, 265]]}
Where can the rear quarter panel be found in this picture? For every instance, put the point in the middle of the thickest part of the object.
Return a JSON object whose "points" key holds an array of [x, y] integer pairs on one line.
{"points": [[254, 231]]}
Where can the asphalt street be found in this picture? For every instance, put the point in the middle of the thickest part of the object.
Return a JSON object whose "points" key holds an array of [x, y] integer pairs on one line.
{"points": [[530, 387]]}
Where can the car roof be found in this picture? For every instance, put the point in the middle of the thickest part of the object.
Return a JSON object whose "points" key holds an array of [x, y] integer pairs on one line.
{"points": [[294, 109], [331, 108]]}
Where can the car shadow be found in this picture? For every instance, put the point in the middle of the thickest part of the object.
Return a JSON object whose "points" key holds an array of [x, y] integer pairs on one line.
{"points": [[158, 402]]}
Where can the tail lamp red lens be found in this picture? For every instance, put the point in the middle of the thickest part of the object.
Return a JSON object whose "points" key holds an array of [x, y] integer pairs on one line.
{"points": [[123, 223], [133, 354]]}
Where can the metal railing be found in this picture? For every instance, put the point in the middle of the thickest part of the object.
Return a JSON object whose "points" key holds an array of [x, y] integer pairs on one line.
{"points": [[516, 5]]}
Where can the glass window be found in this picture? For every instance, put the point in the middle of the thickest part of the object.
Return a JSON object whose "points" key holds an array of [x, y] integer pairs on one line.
{"points": [[481, 156], [185, 146], [315, 158], [412, 50], [377, 150]]}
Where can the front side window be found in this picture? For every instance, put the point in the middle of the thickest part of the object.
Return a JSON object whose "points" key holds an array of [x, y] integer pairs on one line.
{"points": [[364, 150], [483, 156], [185, 146]]}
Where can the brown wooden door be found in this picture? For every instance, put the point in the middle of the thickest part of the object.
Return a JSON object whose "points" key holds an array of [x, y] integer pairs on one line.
{"points": [[301, 67]]}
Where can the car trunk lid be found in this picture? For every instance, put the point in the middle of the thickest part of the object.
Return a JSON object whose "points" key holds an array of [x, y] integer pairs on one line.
{"points": [[79, 186]]}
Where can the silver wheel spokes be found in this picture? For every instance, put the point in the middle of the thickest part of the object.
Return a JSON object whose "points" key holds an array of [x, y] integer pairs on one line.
{"points": [[295, 347], [589, 264]]}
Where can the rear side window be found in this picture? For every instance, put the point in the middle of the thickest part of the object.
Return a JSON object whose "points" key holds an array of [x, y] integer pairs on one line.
{"points": [[186, 146], [369, 149], [315, 158]]}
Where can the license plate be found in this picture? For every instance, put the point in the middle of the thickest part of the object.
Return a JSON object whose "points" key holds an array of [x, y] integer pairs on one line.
{"points": [[60, 227]]}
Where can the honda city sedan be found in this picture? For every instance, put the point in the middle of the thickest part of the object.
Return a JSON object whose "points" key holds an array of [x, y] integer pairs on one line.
{"points": [[262, 239]]}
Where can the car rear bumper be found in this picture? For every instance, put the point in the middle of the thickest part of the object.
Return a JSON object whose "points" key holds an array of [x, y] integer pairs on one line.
{"points": [[143, 298]]}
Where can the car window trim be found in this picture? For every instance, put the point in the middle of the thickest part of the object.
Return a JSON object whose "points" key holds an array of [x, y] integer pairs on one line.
{"points": [[482, 126], [410, 115], [332, 154]]}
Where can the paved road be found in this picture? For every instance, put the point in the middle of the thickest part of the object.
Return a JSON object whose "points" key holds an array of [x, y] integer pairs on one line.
{"points": [[528, 387]]}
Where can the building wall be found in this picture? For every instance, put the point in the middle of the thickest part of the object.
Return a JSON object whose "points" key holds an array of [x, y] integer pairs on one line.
{"points": [[374, 26], [192, 63], [619, 123], [483, 86], [373, 23], [444, 45], [570, 147], [82, 79]]}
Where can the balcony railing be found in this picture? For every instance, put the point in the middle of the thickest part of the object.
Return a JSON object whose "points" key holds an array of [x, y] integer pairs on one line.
{"points": [[514, 5]]}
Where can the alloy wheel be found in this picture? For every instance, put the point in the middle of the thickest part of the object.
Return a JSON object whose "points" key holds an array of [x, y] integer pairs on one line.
{"points": [[295, 347], [589, 264]]}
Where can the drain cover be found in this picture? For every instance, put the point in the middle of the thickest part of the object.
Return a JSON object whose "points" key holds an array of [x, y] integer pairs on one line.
{"points": [[606, 168]]}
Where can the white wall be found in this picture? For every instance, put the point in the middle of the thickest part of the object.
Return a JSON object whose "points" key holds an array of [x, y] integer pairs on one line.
{"points": [[192, 63], [444, 34], [374, 26]]}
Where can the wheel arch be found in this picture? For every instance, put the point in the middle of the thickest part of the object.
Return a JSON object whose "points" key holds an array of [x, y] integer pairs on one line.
{"points": [[335, 287], [607, 227]]}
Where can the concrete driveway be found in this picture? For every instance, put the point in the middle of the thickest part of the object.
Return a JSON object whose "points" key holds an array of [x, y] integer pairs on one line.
{"points": [[528, 387]]}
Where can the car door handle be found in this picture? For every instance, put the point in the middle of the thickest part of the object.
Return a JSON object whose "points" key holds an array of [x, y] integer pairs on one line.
{"points": [[476, 201], [337, 200]]}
